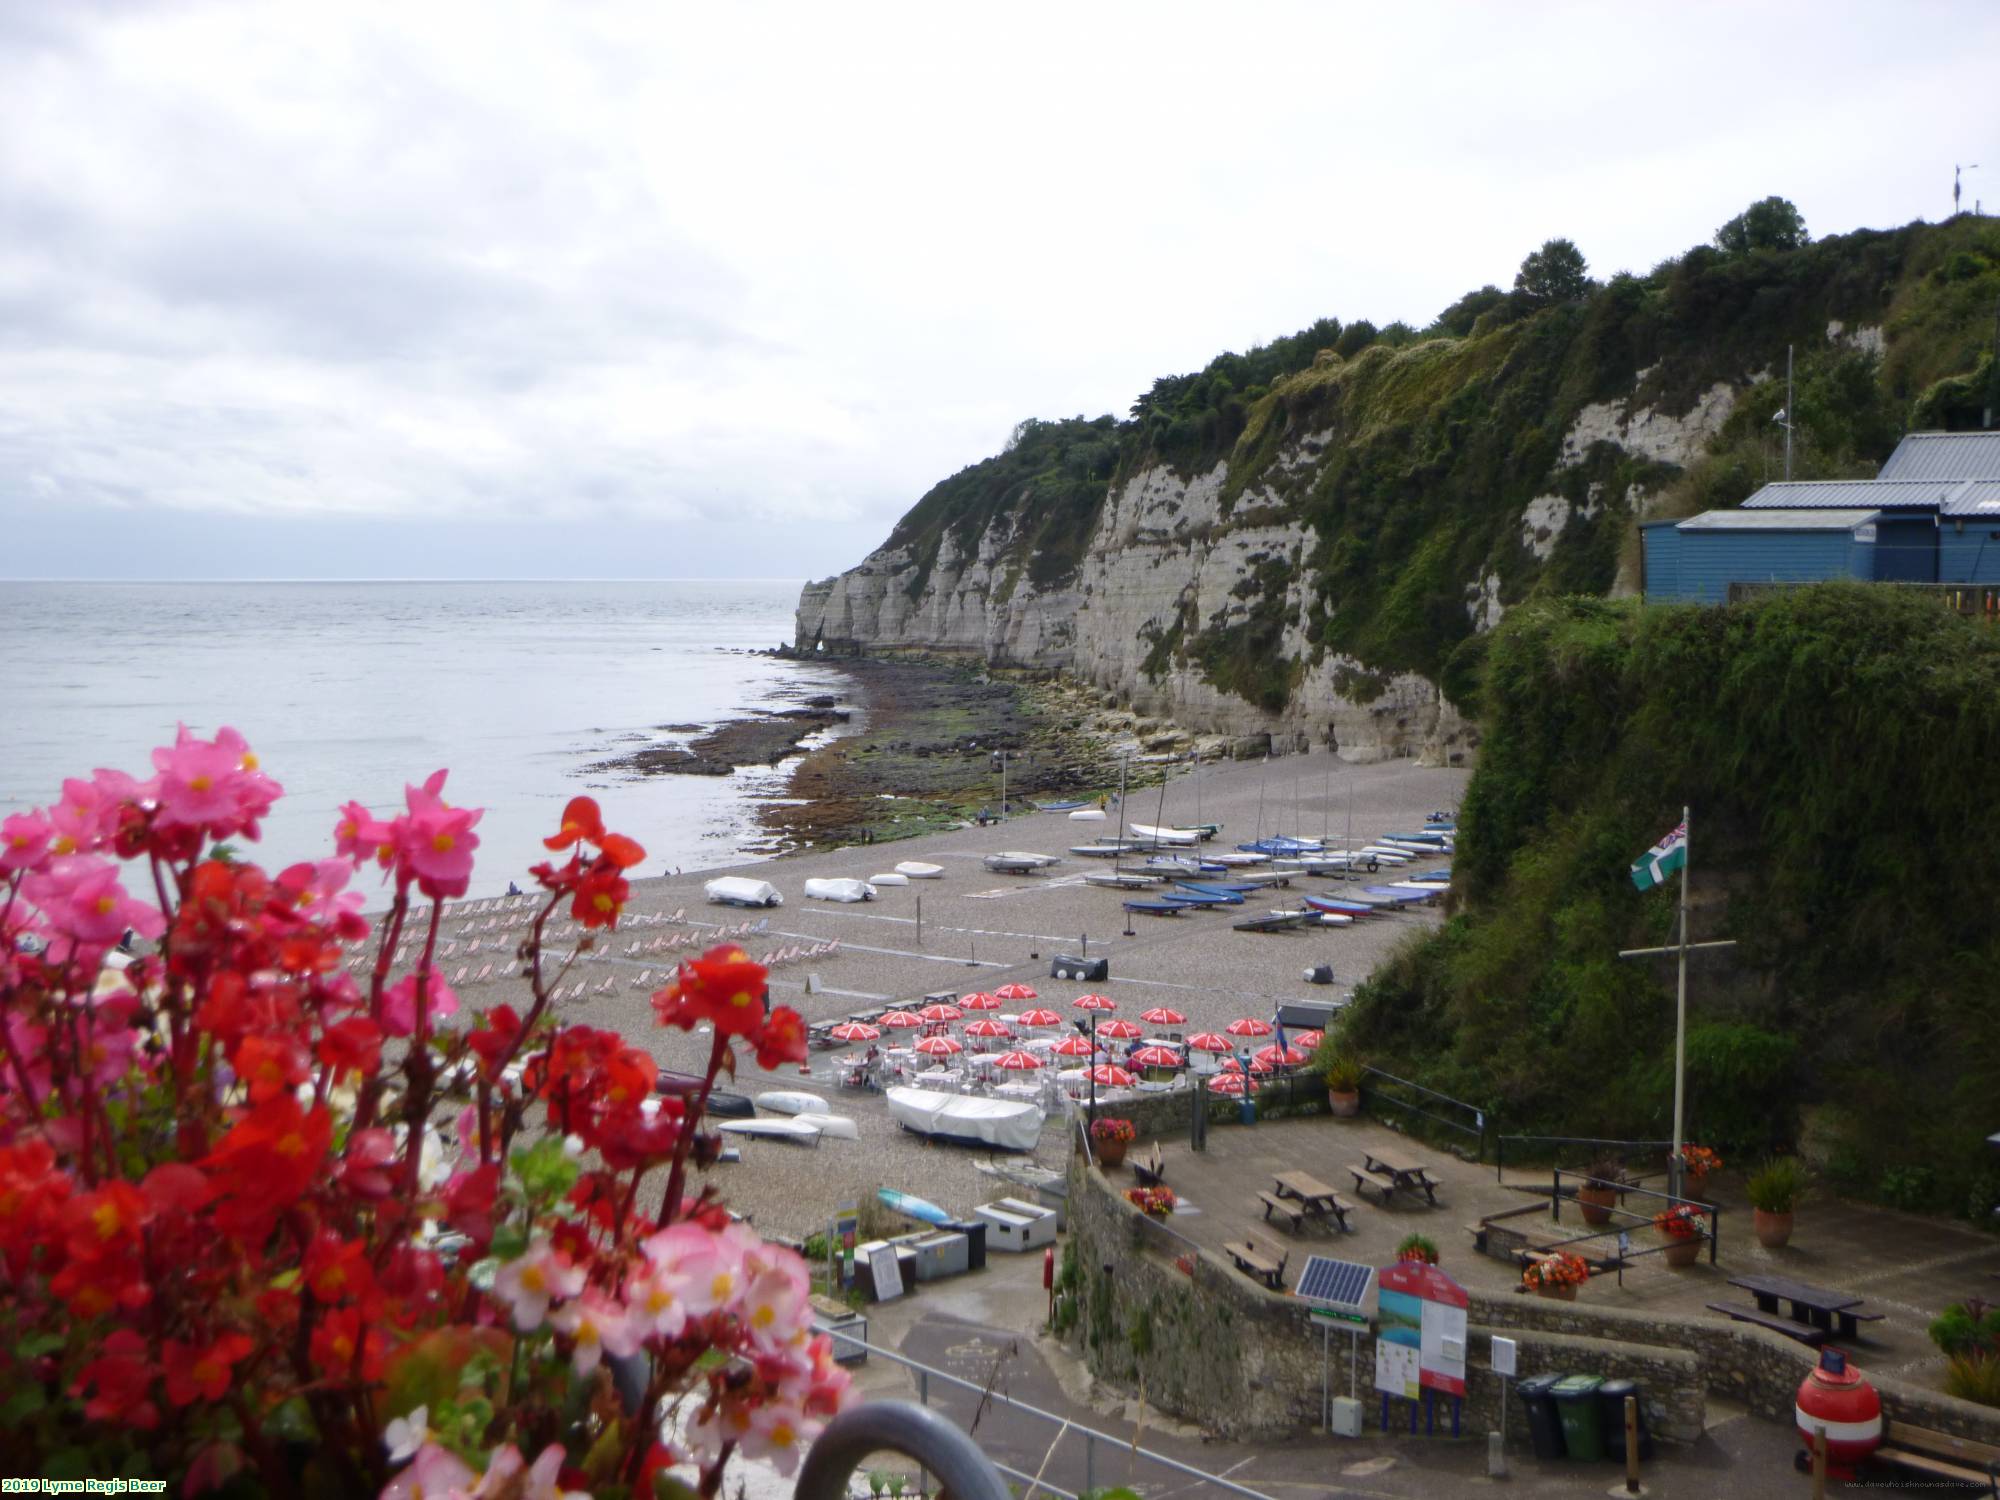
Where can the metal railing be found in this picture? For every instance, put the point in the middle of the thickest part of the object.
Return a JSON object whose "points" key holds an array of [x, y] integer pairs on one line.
{"points": [[1559, 1142], [1618, 1210], [916, 1432], [1065, 1429], [1453, 1114]]}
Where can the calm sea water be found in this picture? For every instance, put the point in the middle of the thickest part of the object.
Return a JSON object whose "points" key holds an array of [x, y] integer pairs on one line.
{"points": [[352, 689]]}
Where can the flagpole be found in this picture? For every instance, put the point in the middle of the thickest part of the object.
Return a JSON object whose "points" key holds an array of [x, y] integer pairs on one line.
{"points": [[1681, 1012]]}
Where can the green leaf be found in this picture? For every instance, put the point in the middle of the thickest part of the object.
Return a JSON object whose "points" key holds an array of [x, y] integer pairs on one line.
{"points": [[546, 1173], [510, 1242], [23, 1404], [70, 1463], [35, 1345]]}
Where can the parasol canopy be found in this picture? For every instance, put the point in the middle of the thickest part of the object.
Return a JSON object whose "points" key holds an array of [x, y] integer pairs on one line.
{"points": [[940, 1046], [1110, 1075], [1094, 1002], [1210, 1041], [1163, 1015], [988, 1027], [979, 1000], [1016, 992], [1073, 1046], [855, 1031], [1040, 1017], [901, 1020], [1121, 1029], [1017, 1061], [941, 1013], [1155, 1057], [1248, 1026]]}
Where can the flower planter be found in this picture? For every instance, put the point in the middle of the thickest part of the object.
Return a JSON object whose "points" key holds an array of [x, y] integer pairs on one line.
{"points": [[1682, 1252], [1557, 1293], [1596, 1201], [1346, 1105], [1774, 1231], [1110, 1154]]}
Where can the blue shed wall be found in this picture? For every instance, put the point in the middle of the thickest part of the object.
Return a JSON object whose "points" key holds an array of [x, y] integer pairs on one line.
{"points": [[1661, 553], [1906, 550], [1971, 555], [1712, 560]]}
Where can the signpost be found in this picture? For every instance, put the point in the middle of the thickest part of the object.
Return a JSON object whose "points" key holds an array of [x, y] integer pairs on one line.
{"points": [[846, 1230]]}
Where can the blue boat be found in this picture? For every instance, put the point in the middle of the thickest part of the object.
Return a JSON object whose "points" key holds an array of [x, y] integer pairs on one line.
{"points": [[1282, 846], [1336, 907], [1158, 908], [1227, 895], [1399, 896], [1062, 806], [921, 1209]]}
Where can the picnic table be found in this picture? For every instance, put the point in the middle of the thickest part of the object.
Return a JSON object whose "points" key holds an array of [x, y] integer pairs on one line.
{"points": [[1816, 1307], [1314, 1198], [1387, 1170]]}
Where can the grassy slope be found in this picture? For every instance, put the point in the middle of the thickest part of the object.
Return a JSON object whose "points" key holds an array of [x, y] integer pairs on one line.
{"points": [[1824, 739]]}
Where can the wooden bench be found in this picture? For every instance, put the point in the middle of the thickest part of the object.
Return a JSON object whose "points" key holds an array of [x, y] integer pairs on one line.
{"points": [[1290, 1209], [1938, 1454], [1255, 1260], [1382, 1182], [1150, 1169], [1805, 1333]]}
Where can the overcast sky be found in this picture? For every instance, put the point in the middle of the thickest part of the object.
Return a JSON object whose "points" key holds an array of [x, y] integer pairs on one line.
{"points": [[570, 290]]}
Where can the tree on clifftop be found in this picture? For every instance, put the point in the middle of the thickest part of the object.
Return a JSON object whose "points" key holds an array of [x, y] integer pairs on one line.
{"points": [[1555, 273], [1772, 223]]}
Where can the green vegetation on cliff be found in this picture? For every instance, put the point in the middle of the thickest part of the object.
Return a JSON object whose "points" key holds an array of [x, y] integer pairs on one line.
{"points": [[1426, 447], [1824, 738]]}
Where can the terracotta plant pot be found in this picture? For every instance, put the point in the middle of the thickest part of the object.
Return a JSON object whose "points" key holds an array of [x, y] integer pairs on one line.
{"points": [[1596, 1201], [1110, 1154], [1774, 1231], [1682, 1252], [1344, 1105], [1557, 1293]]}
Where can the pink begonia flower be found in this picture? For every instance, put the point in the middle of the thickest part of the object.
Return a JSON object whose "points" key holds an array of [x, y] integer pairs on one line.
{"points": [[779, 1434], [716, 1426], [506, 1476], [84, 820], [655, 1297], [527, 1285], [24, 841], [360, 836], [317, 890], [434, 1474], [84, 906], [774, 1305], [212, 784], [434, 842], [710, 1264], [399, 1003], [108, 1053], [597, 1326]]}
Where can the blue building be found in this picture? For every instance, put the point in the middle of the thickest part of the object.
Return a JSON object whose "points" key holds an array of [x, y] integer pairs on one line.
{"points": [[1932, 517]]}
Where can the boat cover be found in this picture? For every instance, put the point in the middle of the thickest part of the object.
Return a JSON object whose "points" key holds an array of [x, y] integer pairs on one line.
{"points": [[737, 890], [840, 890], [1010, 1124]]}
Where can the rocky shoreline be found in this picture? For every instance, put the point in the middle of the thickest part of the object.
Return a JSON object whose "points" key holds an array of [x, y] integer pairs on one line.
{"points": [[764, 739]]}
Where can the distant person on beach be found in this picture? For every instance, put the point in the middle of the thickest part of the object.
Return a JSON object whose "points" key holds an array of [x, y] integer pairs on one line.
{"points": [[513, 889]]}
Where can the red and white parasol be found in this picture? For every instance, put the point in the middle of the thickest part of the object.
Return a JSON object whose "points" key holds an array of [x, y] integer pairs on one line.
{"points": [[986, 1026], [1094, 1002], [902, 1020], [1121, 1029], [1017, 1061], [1209, 1041], [855, 1031], [941, 1013], [1248, 1026], [1016, 992], [1073, 1046], [1111, 1076], [940, 1046], [1040, 1018], [1162, 1015], [1155, 1057], [979, 1000]]}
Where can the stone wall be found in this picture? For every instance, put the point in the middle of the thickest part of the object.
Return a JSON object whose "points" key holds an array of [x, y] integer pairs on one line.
{"points": [[1203, 1342]]}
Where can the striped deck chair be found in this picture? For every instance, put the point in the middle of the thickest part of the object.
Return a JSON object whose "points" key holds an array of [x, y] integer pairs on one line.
{"points": [[483, 975], [459, 978]]}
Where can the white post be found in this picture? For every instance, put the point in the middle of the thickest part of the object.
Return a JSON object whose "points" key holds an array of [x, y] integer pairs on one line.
{"points": [[1681, 1012]]}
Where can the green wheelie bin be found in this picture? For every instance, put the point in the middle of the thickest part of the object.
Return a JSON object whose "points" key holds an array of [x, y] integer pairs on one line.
{"points": [[1576, 1407]]}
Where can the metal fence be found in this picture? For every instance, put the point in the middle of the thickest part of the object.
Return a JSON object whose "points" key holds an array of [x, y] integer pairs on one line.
{"points": [[1625, 1253], [1191, 1479], [1455, 1116], [1555, 1150]]}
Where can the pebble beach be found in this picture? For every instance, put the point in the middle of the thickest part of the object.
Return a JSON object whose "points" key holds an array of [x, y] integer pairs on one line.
{"points": [[978, 931]]}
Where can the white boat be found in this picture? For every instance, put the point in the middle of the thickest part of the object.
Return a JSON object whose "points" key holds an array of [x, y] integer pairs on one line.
{"points": [[1008, 1124], [790, 1102], [889, 877], [779, 1130], [1123, 880], [1106, 849], [840, 890], [1180, 838], [736, 890], [838, 1126], [916, 869], [1087, 815], [1237, 857]]}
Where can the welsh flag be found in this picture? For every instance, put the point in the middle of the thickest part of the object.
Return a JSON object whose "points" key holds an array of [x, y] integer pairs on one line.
{"points": [[1662, 860]]}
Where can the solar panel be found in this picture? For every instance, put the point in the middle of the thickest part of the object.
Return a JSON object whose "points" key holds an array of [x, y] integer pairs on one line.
{"points": [[1336, 1283]]}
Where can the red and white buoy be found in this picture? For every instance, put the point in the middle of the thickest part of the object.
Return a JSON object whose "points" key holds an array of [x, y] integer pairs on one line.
{"points": [[1835, 1399]]}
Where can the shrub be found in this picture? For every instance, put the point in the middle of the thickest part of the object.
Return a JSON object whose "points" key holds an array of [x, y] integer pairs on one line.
{"points": [[1777, 1186], [1970, 1327], [1973, 1377], [1341, 1069]]}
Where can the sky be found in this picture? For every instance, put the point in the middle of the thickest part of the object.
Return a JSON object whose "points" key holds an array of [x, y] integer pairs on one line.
{"points": [[496, 289]]}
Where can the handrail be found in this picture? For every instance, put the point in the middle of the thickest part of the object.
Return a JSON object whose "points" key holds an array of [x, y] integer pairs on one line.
{"points": [[1673, 1200], [1478, 1130], [1500, 1144], [916, 1432], [1090, 1435]]}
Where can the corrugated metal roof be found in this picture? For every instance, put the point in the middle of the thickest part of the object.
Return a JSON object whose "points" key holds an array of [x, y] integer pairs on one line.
{"points": [[1877, 494], [1945, 455], [1791, 520], [1981, 497]]}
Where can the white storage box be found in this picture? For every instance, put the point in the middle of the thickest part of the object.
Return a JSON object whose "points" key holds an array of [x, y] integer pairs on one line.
{"points": [[1017, 1226]]}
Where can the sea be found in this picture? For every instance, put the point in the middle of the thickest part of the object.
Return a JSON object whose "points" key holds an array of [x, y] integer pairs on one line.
{"points": [[352, 690]]}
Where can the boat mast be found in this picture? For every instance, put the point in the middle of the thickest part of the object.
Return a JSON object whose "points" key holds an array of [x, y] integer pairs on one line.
{"points": [[1118, 863]]}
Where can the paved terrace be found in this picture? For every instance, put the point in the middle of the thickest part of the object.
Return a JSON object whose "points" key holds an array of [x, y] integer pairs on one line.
{"points": [[1907, 1268]]}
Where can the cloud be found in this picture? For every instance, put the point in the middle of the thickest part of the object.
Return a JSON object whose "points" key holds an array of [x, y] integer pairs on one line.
{"points": [[629, 270]]}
